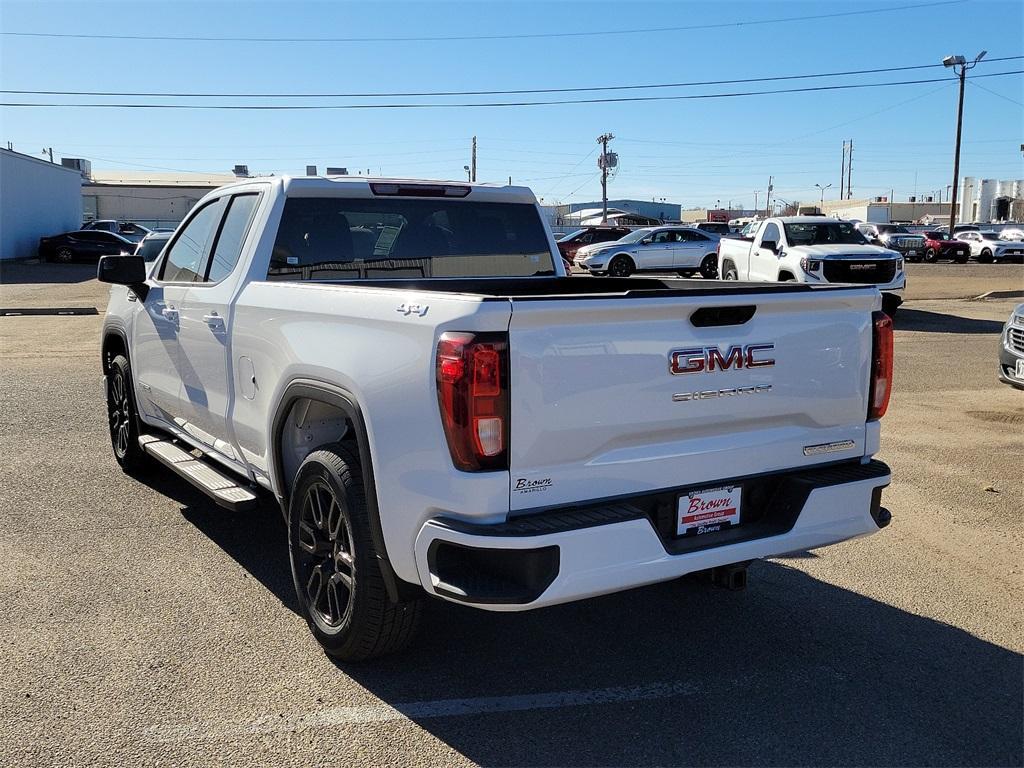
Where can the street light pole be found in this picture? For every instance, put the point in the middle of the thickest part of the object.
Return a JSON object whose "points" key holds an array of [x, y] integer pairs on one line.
{"points": [[821, 206], [953, 62]]}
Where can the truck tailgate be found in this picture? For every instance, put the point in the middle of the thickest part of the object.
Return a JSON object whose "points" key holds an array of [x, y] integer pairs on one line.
{"points": [[596, 411]]}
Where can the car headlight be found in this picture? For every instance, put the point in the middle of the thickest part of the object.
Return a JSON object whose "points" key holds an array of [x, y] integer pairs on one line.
{"points": [[810, 265], [1018, 320], [899, 265]]}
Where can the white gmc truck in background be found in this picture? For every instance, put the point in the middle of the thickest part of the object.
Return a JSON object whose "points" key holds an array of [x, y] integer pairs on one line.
{"points": [[440, 411], [814, 250]]}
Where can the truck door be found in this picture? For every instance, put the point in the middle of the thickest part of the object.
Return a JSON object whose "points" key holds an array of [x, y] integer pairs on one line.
{"points": [[764, 262], [205, 350], [156, 328]]}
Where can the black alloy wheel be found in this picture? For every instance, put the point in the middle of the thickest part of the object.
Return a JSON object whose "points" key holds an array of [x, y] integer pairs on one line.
{"points": [[64, 255], [709, 267], [336, 567], [326, 563], [930, 255], [621, 266], [122, 416]]}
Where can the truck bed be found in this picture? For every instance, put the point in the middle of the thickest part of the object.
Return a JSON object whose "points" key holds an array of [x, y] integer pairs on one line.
{"points": [[604, 287]]}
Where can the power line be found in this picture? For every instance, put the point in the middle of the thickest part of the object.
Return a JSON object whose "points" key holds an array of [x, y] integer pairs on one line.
{"points": [[509, 92], [457, 38], [995, 93], [604, 100]]}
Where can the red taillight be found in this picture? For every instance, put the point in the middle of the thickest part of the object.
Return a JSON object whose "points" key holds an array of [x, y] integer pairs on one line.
{"points": [[881, 366], [472, 391]]}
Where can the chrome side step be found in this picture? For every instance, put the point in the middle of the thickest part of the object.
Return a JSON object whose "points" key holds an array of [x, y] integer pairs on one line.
{"points": [[225, 491]]}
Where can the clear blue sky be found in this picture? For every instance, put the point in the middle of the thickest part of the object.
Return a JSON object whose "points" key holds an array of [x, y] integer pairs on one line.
{"points": [[694, 152]]}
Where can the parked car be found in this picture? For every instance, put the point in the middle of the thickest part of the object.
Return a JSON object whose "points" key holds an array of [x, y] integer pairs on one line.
{"points": [[126, 229], [895, 237], [719, 228], [152, 244], [987, 247], [939, 245], [1011, 351], [439, 412], [683, 250], [82, 245], [809, 249], [572, 242]]}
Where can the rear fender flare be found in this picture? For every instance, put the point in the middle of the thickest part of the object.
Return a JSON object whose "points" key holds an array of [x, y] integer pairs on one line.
{"points": [[347, 403]]}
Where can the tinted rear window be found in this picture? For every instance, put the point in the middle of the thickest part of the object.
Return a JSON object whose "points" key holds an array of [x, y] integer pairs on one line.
{"points": [[327, 238]]}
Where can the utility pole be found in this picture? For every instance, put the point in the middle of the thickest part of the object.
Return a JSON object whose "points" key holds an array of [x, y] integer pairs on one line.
{"points": [[768, 199], [603, 140], [842, 173], [472, 163], [756, 209], [954, 62], [849, 174]]}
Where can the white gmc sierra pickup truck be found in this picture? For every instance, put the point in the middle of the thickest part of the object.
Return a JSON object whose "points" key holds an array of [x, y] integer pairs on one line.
{"points": [[438, 409], [815, 250]]}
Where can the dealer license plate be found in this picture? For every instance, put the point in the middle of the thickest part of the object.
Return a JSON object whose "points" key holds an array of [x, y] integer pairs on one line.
{"points": [[708, 510], [911, 253], [1020, 369]]}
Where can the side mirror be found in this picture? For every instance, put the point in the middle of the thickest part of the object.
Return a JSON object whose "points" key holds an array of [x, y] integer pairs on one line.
{"points": [[771, 245], [124, 270]]}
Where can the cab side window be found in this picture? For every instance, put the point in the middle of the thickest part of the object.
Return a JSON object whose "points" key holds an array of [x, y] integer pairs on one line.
{"points": [[184, 257], [771, 232], [232, 234]]}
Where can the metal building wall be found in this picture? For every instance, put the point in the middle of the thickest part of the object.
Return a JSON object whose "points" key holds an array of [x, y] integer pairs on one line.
{"points": [[37, 199]]}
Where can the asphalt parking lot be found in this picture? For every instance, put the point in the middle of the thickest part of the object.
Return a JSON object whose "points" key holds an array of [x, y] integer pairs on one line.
{"points": [[146, 626]]}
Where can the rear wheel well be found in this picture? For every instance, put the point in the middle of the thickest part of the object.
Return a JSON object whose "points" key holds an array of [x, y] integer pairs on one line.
{"points": [[309, 425]]}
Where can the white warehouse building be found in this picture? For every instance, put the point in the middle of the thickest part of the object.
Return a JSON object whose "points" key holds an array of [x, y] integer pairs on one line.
{"points": [[990, 201], [37, 199]]}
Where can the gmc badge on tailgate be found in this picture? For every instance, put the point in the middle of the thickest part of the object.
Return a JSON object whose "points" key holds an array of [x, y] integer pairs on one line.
{"points": [[712, 359]]}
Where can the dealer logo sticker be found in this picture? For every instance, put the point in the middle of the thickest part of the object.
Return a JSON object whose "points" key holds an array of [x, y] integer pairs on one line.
{"points": [[525, 485]]}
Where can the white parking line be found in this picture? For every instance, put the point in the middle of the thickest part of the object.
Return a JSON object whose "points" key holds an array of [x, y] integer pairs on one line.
{"points": [[422, 710]]}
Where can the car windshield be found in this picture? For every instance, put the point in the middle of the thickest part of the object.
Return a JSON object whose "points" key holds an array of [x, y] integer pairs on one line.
{"points": [[635, 236], [571, 235], [823, 233], [334, 238], [150, 248]]}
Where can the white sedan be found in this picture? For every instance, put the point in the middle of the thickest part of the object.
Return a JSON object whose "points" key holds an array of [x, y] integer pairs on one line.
{"points": [[656, 249], [988, 247]]}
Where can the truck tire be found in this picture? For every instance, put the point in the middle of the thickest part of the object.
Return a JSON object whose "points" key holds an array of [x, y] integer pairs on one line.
{"points": [[986, 257], [337, 577], [123, 417], [709, 267], [621, 266], [889, 305], [729, 271]]}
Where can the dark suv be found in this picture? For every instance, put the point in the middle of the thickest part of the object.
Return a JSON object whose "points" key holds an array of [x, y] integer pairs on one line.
{"points": [[896, 237], [572, 242]]}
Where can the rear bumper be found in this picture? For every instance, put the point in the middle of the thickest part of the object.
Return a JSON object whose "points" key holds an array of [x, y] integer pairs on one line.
{"points": [[562, 555]]}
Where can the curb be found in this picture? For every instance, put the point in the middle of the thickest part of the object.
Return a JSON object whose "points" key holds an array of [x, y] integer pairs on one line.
{"points": [[999, 295]]}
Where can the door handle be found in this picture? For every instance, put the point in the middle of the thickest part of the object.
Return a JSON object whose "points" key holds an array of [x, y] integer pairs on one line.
{"points": [[214, 321]]}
